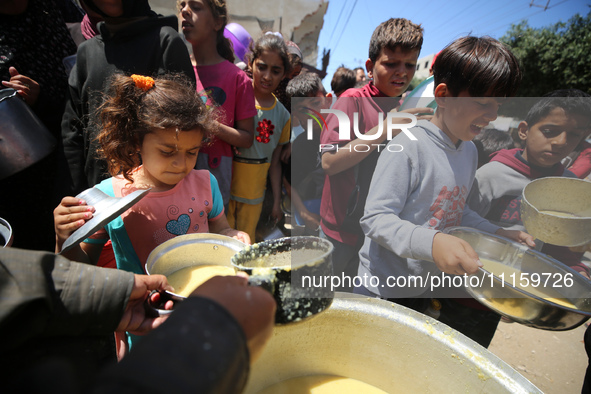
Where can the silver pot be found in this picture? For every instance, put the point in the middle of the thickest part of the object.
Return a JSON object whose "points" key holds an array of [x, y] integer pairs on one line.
{"points": [[5, 233], [386, 345], [557, 282], [562, 196], [285, 268], [192, 250], [24, 139]]}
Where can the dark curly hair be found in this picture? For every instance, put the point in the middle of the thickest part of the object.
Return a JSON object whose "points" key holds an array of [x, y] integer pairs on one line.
{"points": [[128, 113]]}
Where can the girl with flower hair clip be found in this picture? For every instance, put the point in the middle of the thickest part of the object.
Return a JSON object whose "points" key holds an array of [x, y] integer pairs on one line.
{"points": [[151, 133], [269, 63]]}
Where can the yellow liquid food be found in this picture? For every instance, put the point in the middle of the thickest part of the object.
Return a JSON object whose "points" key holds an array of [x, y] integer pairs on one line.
{"points": [[561, 214], [498, 269], [321, 384], [188, 279]]}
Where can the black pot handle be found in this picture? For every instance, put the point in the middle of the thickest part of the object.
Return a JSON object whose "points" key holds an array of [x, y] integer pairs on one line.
{"points": [[266, 282], [157, 309]]}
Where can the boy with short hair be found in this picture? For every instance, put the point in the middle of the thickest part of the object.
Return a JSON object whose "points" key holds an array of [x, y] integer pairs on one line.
{"points": [[552, 129], [393, 53], [304, 183], [342, 80], [422, 188]]}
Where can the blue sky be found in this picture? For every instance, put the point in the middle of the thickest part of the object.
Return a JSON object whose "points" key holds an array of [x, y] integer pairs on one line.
{"points": [[348, 24]]}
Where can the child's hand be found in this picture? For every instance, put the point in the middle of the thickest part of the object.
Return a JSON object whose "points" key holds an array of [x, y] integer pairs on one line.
{"points": [[237, 234], [286, 153], [69, 216], [519, 236], [276, 213], [453, 255], [311, 220]]}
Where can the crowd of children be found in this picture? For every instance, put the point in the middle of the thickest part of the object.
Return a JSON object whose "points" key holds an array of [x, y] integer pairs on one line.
{"points": [[208, 139]]}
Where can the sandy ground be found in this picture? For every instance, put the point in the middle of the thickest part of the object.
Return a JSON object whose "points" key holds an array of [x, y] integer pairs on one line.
{"points": [[554, 361]]}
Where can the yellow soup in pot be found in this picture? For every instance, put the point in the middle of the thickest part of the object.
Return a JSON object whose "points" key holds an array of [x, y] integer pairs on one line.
{"points": [[321, 384], [498, 269], [188, 279]]}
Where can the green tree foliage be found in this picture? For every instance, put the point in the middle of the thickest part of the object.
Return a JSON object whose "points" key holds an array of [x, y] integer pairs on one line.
{"points": [[554, 57], [414, 83]]}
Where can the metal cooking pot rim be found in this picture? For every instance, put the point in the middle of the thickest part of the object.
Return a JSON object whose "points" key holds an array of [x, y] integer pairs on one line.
{"points": [[530, 295], [526, 250], [7, 96], [280, 242], [524, 197], [186, 239]]}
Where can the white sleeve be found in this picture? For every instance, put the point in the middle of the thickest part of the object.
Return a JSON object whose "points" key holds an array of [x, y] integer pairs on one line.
{"points": [[393, 181]]}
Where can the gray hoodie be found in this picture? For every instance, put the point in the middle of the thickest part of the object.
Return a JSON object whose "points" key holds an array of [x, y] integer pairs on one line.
{"points": [[413, 195]]}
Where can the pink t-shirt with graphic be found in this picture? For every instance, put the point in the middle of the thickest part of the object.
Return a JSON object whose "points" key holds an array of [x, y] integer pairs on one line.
{"points": [[187, 208], [228, 87]]}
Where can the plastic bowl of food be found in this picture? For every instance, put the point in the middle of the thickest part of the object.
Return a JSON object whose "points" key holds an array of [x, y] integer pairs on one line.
{"points": [[557, 210], [524, 285]]}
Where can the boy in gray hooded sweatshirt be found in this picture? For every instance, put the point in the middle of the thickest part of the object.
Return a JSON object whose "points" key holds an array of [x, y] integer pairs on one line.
{"points": [[422, 189]]}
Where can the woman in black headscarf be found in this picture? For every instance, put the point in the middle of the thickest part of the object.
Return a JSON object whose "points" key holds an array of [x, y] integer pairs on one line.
{"points": [[133, 40], [34, 40]]}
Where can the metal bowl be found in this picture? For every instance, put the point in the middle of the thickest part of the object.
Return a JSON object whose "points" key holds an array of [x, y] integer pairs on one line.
{"points": [[505, 294], [24, 139], [191, 250], [562, 196], [386, 345], [285, 267]]}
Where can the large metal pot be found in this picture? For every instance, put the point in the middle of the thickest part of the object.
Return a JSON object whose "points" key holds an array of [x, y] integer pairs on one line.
{"points": [[544, 203], [550, 281], [385, 345], [24, 139]]}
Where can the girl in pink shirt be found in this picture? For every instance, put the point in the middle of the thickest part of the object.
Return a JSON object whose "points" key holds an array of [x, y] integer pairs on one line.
{"points": [[221, 84], [151, 135]]}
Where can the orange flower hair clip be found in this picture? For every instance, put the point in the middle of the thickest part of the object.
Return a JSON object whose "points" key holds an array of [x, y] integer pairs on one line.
{"points": [[144, 83]]}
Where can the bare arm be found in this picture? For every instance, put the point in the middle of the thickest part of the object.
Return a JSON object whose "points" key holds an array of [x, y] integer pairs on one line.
{"points": [[311, 220], [275, 176], [241, 136], [346, 157]]}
